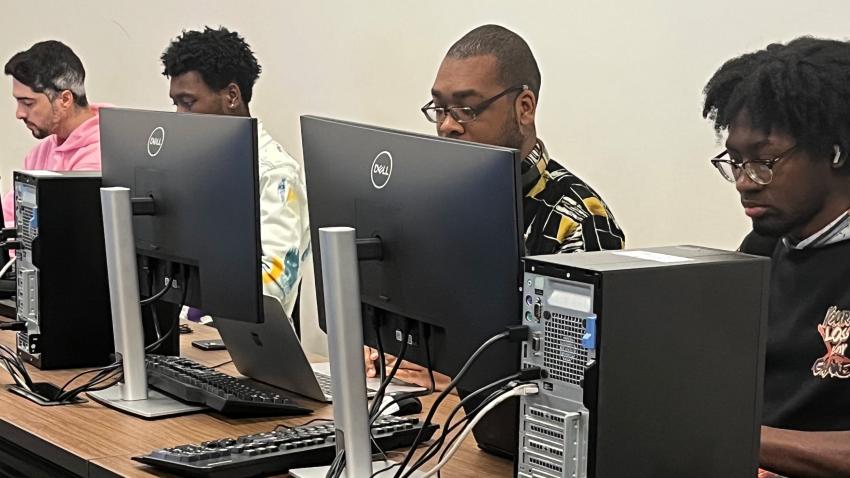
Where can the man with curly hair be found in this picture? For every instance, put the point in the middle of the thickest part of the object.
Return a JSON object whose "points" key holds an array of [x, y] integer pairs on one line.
{"points": [[48, 84], [786, 113], [213, 72]]}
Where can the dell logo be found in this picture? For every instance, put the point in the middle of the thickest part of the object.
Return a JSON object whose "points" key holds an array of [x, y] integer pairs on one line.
{"points": [[155, 141], [382, 169]]}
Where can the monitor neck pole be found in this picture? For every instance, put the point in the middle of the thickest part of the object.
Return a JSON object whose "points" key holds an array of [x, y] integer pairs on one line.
{"points": [[341, 253], [132, 395], [345, 347]]}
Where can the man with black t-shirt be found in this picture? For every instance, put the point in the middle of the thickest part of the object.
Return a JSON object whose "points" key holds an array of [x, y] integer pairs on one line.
{"points": [[786, 110]]}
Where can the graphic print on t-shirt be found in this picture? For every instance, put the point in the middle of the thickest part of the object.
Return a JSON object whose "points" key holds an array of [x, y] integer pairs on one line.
{"points": [[835, 332]]}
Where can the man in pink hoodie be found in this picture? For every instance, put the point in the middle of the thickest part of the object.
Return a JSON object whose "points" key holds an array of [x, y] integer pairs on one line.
{"points": [[48, 85]]}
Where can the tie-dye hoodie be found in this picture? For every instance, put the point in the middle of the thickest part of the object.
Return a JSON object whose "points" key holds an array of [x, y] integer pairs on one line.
{"points": [[284, 222]]}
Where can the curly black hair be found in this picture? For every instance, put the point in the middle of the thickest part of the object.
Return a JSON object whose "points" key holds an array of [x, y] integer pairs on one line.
{"points": [[220, 56], [802, 87], [50, 67]]}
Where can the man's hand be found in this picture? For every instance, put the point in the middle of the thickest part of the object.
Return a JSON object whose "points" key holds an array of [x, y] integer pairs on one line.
{"points": [[407, 372]]}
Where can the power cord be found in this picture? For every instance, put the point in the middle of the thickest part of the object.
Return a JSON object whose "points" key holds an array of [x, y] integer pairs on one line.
{"points": [[531, 373], [159, 294], [526, 389], [8, 266], [514, 334], [338, 465], [105, 377]]}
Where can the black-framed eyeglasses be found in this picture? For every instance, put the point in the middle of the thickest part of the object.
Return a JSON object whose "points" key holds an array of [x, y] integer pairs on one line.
{"points": [[463, 114], [759, 170]]}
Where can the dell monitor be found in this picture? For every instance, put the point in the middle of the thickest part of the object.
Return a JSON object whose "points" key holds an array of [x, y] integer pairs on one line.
{"points": [[193, 182], [447, 216]]}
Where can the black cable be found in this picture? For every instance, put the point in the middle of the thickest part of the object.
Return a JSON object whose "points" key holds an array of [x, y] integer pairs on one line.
{"points": [[14, 325], [158, 295], [110, 372], [14, 360], [155, 318], [279, 426], [337, 466], [420, 393], [427, 335], [11, 361], [156, 328], [382, 363], [75, 377], [419, 436], [373, 475], [437, 444], [379, 395], [185, 273], [522, 377], [490, 398], [382, 369], [339, 462]]}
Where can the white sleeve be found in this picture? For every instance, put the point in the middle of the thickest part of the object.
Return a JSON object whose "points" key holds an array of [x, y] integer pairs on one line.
{"points": [[282, 200]]}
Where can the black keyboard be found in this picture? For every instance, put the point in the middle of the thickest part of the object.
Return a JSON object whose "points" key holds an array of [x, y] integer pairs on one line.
{"points": [[192, 382], [276, 451]]}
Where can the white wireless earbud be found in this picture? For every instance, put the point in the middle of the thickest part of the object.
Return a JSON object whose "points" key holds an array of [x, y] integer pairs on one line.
{"points": [[837, 160]]}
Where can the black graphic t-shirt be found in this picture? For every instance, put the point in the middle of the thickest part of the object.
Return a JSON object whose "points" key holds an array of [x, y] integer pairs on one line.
{"points": [[807, 366]]}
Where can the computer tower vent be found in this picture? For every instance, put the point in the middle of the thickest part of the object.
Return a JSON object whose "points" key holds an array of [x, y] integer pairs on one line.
{"points": [[563, 355], [27, 234]]}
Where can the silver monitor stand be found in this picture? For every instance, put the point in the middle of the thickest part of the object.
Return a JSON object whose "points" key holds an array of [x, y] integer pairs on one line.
{"points": [[132, 395], [345, 347]]}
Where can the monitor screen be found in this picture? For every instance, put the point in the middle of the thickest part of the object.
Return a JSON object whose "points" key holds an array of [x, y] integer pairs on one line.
{"points": [[448, 217], [201, 172]]}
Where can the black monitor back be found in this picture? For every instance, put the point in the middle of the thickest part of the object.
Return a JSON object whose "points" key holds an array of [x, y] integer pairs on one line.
{"points": [[201, 171], [448, 215]]}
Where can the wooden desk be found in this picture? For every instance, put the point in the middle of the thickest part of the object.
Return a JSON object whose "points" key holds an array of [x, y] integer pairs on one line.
{"points": [[92, 440]]}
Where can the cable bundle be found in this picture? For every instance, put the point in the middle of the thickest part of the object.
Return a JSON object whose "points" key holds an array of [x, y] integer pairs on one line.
{"points": [[104, 377], [510, 386], [15, 366]]}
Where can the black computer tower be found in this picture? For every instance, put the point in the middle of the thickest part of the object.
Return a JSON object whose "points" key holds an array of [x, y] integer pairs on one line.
{"points": [[654, 362], [62, 289]]}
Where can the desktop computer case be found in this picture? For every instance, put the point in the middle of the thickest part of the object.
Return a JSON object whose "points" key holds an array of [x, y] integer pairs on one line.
{"points": [[62, 287], [654, 362]]}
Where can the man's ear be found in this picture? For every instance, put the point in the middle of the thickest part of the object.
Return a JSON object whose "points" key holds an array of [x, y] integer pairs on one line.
{"points": [[65, 99], [526, 107], [233, 96]]}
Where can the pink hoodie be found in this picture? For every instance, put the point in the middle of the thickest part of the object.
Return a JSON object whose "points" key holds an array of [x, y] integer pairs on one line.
{"points": [[79, 152]]}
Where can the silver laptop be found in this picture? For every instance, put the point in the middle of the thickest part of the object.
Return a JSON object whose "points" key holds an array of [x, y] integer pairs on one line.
{"points": [[271, 352]]}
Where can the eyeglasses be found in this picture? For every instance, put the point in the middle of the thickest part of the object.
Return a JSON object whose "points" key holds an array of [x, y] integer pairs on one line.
{"points": [[759, 170], [463, 114]]}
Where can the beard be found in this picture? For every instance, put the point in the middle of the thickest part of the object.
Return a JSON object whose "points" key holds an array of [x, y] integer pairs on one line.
{"points": [[770, 228], [778, 224], [37, 131], [511, 135]]}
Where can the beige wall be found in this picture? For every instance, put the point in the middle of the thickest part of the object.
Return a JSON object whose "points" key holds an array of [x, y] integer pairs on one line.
{"points": [[620, 99]]}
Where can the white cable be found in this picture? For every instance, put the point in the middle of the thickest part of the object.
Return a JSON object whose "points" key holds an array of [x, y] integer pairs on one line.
{"points": [[19, 379], [8, 265], [527, 389]]}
